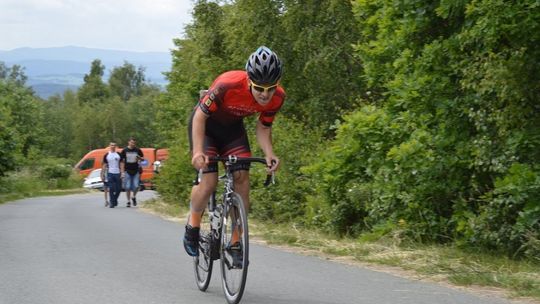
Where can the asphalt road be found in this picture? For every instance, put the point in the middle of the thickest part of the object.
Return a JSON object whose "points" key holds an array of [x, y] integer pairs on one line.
{"points": [[71, 249]]}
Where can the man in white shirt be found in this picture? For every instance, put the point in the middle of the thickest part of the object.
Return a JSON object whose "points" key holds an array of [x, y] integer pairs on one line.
{"points": [[113, 165]]}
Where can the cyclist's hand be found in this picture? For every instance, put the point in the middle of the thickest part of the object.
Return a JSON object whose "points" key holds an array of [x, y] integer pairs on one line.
{"points": [[272, 162], [199, 161]]}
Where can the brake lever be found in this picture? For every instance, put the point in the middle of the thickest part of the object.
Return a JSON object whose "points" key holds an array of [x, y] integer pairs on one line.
{"points": [[270, 178]]}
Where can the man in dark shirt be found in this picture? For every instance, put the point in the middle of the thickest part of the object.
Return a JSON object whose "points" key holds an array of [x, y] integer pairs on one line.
{"points": [[131, 155]]}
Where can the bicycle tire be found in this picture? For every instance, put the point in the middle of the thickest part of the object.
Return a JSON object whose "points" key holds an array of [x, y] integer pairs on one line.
{"points": [[233, 277], [203, 264]]}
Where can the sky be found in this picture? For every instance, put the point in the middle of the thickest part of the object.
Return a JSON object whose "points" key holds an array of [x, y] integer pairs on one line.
{"points": [[131, 25]]}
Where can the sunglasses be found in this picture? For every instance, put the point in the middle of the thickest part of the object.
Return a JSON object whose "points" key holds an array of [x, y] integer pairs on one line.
{"points": [[263, 89]]}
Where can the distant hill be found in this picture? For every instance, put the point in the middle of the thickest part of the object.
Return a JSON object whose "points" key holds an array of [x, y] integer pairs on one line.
{"points": [[46, 90], [50, 71]]}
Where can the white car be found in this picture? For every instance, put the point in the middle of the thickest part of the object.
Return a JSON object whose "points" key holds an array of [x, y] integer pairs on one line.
{"points": [[93, 180]]}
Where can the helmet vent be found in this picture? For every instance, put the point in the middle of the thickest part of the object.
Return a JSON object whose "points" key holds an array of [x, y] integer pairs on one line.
{"points": [[264, 66]]}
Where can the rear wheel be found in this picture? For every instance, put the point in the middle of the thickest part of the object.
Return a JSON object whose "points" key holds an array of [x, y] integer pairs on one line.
{"points": [[203, 263], [234, 249]]}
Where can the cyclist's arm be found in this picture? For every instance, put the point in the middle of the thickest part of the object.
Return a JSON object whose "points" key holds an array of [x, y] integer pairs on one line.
{"points": [[199, 160], [264, 138]]}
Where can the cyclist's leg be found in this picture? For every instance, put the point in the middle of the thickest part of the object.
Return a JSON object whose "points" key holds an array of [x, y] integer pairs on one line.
{"points": [[241, 186], [240, 147], [200, 195]]}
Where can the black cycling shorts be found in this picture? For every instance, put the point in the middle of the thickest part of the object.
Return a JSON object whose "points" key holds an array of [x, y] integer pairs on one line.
{"points": [[223, 140]]}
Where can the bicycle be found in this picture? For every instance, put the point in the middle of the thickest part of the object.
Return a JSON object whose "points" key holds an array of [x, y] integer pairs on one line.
{"points": [[225, 219]]}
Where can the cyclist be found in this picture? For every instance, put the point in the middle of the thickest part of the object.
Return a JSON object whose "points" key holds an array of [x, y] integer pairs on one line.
{"points": [[216, 128]]}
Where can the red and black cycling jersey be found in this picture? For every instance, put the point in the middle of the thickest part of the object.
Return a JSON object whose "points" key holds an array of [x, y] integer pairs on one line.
{"points": [[229, 100]]}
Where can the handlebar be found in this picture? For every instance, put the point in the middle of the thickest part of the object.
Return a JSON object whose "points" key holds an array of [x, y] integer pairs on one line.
{"points": [[233, 159]]}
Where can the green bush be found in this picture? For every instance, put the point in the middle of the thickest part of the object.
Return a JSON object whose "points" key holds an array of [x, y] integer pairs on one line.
{"points": [[22, 183], [509, 217], [73, 181], [176, 175], [39, 175], [346, 168], [56, 171], [296, 145]]}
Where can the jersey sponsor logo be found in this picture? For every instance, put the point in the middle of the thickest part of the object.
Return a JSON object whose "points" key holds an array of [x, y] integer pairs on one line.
{"points": [[241, 110], [214, 94], [212, 97]]}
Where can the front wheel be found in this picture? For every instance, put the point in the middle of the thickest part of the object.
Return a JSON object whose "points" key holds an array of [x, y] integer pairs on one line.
{"points": [[204, 263], [234, 249]]}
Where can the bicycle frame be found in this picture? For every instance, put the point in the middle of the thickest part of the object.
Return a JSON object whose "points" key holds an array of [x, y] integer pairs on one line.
{"points": [[216, 210]]}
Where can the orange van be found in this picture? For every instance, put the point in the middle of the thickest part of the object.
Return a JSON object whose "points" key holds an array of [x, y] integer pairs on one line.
{"points": [[94, 160]]}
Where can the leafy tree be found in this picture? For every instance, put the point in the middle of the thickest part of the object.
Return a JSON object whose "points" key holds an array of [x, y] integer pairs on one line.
{"points": [[143, 123], [7, 136], [59, 130], [21, 128], [14, 74], [196, 61], [93, 88], [88, 127], [322, 77], [247, 25], [127, 81]]}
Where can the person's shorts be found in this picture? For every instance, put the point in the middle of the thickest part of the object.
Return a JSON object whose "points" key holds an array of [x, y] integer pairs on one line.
{"points": [[106, 185], [131, 182], [224, 140]]}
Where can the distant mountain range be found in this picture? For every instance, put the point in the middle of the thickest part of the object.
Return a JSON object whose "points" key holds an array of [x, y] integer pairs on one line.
{"points": [[51, 71]]}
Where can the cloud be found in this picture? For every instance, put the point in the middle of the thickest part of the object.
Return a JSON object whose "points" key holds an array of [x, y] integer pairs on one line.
{"points": [[140, 25]]}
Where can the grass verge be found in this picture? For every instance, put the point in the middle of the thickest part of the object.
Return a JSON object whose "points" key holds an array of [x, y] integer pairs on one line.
{"points": [[27, 183], [516, 279], [446, 264]]}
